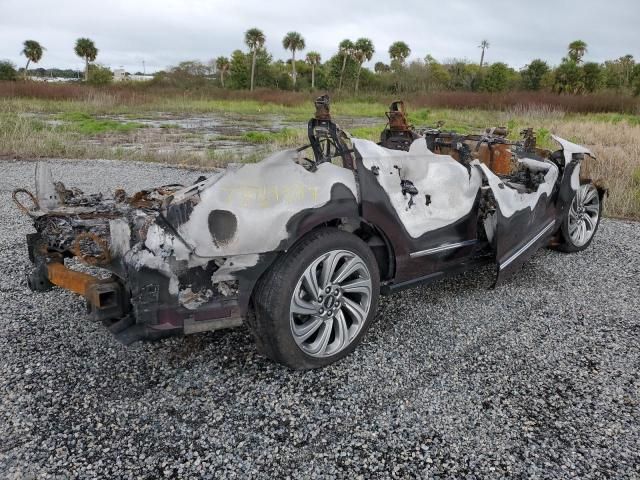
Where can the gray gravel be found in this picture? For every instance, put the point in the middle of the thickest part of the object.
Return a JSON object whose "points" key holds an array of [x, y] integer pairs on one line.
{"points": [[539, 378]]}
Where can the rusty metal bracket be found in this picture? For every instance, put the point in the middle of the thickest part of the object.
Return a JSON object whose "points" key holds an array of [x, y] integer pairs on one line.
{"points": [[398, 134], [20, 205]]}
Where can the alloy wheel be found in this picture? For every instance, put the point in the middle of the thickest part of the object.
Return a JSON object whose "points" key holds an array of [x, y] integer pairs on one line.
{"points": [[584, 214], [330, 303]]}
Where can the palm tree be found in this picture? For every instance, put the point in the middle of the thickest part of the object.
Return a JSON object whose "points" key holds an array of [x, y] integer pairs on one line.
{"points": [[577, 49], [33, 51], [254, 38], [399, 51], [293, 41], [346, 50], [484, 45], [85, 48], [222, 65], [362, 52], [313, 59]]}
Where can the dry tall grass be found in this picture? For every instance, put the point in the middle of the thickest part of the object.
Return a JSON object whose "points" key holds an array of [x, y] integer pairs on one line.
{"points": [[140, 93], [617, 148], [614, 138]]}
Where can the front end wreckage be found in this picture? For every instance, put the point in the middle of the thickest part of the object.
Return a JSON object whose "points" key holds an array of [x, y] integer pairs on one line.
{"points": [[426, 203]]}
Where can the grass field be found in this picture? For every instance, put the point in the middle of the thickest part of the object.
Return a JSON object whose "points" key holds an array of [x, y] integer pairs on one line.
{"points": [[103, 125]]}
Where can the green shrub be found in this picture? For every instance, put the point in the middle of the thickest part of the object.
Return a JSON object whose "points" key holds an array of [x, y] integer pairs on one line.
{"points": [[8, 71], [99, 75]]}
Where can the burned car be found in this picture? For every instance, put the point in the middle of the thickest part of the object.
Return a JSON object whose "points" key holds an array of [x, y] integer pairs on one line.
{"points": [[300, 245]]}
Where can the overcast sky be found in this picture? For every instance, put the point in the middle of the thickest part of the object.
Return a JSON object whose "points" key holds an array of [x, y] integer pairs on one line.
{"points": [[165, 32]]}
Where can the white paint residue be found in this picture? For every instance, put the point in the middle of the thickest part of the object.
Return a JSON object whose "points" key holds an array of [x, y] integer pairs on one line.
{"points": [[234, 264], [188, 191], [120, 237], [163, 243], [575, 178], [263, 197], [45, 189], [451, 187], [509, 199], [569, 149]]}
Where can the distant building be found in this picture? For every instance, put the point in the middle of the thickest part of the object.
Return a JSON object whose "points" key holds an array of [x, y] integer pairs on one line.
{"points": [[53, 79], [140, 78], [120, 75]]}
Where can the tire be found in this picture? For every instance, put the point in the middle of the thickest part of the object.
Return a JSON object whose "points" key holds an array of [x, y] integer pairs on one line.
{"points": [[302, 330], [582, 219]]}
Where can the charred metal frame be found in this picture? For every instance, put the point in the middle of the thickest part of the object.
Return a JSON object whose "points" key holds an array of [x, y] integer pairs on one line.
{"points": [[159, 283]]}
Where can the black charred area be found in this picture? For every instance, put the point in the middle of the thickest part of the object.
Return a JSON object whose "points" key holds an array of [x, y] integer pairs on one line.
{"points": [[198, 278], [342, 204], [178, 213], [223, 226], [80, 225]]}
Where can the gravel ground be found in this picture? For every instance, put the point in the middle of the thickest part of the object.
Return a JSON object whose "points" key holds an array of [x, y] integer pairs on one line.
{"points": [[539, 378]]}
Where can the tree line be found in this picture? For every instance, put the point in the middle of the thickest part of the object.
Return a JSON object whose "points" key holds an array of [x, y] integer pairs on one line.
{"points": [[33, 51], [345, 70]]}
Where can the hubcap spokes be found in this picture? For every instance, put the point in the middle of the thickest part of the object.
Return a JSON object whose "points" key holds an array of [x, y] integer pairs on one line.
{"points": [[583, 214], [330, 303]]}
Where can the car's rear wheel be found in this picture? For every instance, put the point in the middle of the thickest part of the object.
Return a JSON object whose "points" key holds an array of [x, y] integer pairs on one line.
{"points": [[317, 301], [582, 219]]}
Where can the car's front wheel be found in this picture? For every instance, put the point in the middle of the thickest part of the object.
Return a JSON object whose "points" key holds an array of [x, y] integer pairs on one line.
{"points": [[582, 219], [317, 301]]}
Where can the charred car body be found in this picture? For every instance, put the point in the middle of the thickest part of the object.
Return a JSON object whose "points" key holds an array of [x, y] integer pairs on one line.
{"points": [[300, 245]]}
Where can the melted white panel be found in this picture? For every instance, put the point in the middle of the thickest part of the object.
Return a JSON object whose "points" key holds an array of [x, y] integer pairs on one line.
{"points": [[263, 197], [570, 148], [45, 189], [162, 243], [509, 199], [575, 178], [120, 236], [451, 187]]}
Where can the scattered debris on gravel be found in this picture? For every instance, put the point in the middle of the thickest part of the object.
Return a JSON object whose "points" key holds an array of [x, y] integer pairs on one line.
{"points": [[539, 378]]}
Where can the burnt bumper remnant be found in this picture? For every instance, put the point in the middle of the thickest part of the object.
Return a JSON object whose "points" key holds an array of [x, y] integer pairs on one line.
{"points": [[127, 285], [423, 203]]}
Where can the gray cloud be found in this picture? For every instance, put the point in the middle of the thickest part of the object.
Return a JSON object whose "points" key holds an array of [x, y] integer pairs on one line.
{"points": [[165, 32]]}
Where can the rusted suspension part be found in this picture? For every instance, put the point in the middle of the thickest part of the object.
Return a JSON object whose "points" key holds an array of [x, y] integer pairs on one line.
{"points": [[20, 205], [397, 117], [102, 258]]}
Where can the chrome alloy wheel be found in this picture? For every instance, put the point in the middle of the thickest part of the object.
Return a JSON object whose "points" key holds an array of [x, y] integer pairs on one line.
{"points": [[330, 303], [584, 214]]}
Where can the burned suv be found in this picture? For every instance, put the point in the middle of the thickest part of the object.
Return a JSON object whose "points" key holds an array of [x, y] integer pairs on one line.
{"points": [[300, 245]]}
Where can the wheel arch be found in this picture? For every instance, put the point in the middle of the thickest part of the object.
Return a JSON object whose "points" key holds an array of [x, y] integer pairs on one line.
{"points": [[374, 237]]}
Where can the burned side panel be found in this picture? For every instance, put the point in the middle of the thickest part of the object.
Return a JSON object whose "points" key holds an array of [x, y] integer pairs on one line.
{"points": [[524, 217], [425, 204], [573, 156]]}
